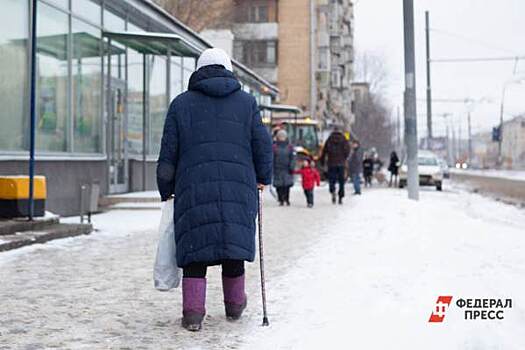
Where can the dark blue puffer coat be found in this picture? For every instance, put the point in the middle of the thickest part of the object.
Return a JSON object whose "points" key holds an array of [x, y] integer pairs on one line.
{"points": [[214, 151]]}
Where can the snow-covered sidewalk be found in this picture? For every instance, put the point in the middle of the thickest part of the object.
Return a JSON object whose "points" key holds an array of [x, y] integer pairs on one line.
{"points": [[374, 278], [365, 275]]}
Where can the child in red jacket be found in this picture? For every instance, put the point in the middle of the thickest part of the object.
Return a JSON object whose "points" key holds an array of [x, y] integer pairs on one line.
{"points": [[310, 177]]}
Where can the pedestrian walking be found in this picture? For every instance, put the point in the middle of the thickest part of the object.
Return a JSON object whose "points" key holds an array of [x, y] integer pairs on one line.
{"points": [[283, 167], [215, 154], [368, 169], [335, 153], [310, 178], [355, 166], [393, 168]]}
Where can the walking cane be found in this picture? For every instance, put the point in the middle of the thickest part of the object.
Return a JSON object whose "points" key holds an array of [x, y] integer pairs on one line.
{"points": [[261, 262]]}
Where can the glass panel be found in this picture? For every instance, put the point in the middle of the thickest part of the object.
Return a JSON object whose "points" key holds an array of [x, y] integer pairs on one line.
{"points": [[86, 98], [14, 76], [52, 92], [189, 68], [158, 100], [135, 102], [112, 22], [176, 77], [62, 3], [87, 9]]}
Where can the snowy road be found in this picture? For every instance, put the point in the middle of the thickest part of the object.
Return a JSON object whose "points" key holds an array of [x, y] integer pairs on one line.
{"points": [[365, 275]]}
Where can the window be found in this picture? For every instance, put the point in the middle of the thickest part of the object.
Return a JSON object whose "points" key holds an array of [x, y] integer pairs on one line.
{"points": [[324, 59], [238, 52], [135, 102], [86, 97], [258, 14], [52, 80], [257, 53], [87, 9], [62, 3], [14, 76], [157, 102], [176, 77], [336, 78]]}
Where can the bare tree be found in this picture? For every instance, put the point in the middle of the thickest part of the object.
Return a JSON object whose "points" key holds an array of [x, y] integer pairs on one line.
{"points": [[373, 125], [200, 14], [370, 67]]}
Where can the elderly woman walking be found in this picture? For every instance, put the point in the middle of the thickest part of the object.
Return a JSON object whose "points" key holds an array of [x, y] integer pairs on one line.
{"points": [[283, 167], [215, 153]]}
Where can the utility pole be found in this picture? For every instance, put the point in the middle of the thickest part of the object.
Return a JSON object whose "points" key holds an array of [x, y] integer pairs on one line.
{"points": [[454, 145], [460, 146], [410, 100], [398, 127], [469, 139], [429, 85]]}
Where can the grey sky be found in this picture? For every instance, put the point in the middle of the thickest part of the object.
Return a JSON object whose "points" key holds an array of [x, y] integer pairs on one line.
{"points": [[496, 28]]}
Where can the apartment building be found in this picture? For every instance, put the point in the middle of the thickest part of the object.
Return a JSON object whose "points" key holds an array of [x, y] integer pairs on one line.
{"points": [[305, 47]]}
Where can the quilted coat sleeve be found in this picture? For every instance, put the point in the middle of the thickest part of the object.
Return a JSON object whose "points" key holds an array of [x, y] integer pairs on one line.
{"points": [[167, 163], [262, 153]]}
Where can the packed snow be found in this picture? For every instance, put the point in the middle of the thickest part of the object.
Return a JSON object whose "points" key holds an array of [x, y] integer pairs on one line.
{"points": [[365, 275]]}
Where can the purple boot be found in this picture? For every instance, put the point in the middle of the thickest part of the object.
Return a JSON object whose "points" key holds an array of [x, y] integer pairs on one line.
{"points": [[235, 299], [193, 302]]}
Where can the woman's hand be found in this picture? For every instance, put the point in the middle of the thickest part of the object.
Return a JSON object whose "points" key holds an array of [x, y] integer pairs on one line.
{"points": [[260, 187]]}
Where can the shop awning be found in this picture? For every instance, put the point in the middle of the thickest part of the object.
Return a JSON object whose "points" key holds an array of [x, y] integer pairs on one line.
{"points": [[155, 43], [86, 45]]}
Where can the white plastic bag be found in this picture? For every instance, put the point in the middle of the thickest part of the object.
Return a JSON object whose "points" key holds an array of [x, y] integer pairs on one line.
{"points": [[166, 273]]}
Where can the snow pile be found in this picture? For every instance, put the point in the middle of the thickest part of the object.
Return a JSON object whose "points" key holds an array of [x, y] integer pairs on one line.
{"points": [[500, 174]]}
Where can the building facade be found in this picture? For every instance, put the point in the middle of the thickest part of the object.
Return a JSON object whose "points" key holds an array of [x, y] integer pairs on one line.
{"points": [[303, 46], [513, 143], [106, 71]]}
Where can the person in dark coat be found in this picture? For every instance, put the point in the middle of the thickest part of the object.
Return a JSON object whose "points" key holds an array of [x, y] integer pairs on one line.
{"points": [[215, 153], [393, 168], [335, 153], [283, 167], [355, 166], [368, 169]]}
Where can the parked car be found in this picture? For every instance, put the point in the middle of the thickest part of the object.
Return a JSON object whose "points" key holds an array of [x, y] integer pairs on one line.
{"points": [[429, 168]]}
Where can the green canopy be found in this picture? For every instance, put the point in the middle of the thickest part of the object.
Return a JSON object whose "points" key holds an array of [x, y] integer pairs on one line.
{"points": [[85, 46]]}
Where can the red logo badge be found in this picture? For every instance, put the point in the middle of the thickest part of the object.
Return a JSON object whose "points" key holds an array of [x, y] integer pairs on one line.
{"points": [[442, 304]]}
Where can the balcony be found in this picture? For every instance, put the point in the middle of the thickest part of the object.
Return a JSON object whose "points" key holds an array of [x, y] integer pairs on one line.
{"points": [[256, 31]]}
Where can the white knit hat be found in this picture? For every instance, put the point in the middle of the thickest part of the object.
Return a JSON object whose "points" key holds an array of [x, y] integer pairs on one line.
{"points": [[214, 56]]}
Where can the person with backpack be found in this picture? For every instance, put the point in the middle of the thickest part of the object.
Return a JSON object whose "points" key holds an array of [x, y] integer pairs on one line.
{"points": [[335, 153]]}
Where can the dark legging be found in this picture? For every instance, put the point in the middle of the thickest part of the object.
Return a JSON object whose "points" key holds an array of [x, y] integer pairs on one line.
{"points": [[283, 194], [230, 268]]}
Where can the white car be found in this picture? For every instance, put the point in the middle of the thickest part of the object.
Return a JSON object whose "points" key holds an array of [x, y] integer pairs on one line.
{"points": [[429, 168]]}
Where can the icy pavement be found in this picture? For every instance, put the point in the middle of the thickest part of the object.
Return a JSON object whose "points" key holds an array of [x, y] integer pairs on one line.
{"points": [[365, 275]]}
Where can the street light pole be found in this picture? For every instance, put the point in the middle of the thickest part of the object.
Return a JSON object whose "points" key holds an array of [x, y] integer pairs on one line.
{"points": [[410, 101], [429, 85], [32, 124]]}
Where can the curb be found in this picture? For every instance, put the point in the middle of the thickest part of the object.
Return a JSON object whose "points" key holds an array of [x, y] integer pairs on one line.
{"points": [[49, 233]]}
